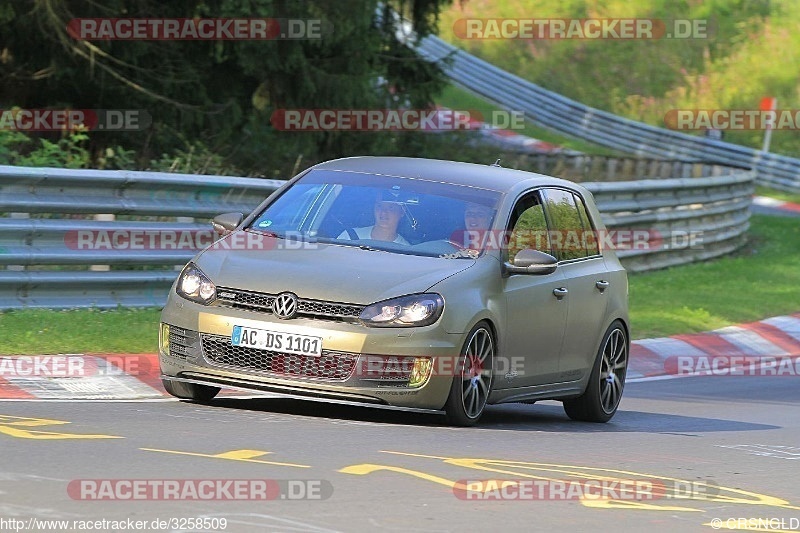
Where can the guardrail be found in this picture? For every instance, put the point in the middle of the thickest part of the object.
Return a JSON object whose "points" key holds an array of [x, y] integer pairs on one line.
{"points": [[572, 118], [686, 219], [44, 214]]}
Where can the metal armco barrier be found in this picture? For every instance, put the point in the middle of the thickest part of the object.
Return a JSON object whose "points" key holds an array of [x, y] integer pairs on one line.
{"points": [[56, 190], [691, 212], [572, 118]]}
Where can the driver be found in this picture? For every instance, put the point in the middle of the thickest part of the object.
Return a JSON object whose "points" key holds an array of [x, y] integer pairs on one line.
{"points": [[387, 216]]}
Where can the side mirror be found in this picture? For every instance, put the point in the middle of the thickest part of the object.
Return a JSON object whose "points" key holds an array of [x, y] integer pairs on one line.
{"points": [[530, 261], [226, 223]]}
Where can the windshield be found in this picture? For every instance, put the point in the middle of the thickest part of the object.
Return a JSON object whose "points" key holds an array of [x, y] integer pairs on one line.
{"points": [[400, 215]]}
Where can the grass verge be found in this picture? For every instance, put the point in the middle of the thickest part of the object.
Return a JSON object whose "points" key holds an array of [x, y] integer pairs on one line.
{"points": [[44, 331], [760, 281]]}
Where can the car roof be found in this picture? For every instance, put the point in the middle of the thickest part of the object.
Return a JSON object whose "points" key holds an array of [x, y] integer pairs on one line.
{"points": [[459, 173]]}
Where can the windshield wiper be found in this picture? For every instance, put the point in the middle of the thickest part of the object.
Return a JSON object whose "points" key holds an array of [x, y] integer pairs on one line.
{"points": [[266, 233], [352, 244]]}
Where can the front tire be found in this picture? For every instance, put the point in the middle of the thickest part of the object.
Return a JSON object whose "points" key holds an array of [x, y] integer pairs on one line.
{"points": [[473, 381], [190, 391], [601, 399]]}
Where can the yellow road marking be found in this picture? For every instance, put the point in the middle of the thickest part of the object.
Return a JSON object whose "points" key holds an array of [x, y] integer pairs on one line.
{"points": [[634, 505], [29, 422], [368, 468], [12, 426], [711, 493], [241, 454], [233, 455]]}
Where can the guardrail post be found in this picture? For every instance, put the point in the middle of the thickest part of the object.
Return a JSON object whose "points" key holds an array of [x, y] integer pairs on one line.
{"points": [[103, 217], [18, 268], [627, 169]]}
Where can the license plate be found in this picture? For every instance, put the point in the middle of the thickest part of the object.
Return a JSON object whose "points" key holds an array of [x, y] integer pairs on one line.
{"points": [[262, 339]]}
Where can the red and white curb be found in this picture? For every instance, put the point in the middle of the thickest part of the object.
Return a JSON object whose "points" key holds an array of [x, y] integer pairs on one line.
{"points": [[127, 377], [765, 201], [80, 377], [767, 347]]}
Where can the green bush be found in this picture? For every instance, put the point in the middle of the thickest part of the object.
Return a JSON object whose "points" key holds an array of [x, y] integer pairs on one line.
{"points": [[69, 151]]}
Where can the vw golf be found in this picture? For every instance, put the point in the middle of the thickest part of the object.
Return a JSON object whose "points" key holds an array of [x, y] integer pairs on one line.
{"points": [[412, 283]]}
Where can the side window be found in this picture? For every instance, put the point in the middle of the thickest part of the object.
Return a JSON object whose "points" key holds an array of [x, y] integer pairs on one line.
{"points": [[589, 235], [566, 228], [527, 227]]}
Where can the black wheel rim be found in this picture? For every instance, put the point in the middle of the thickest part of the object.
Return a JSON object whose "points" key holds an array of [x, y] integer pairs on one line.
{"points": [[476, 374], [613, 366]]}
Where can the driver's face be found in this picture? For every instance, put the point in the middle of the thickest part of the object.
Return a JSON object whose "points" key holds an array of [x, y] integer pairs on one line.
{"points": [[387, 214], [477, 217]]}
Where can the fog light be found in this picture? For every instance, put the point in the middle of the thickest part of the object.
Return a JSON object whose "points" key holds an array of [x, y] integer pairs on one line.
{"points": [[420, 371], [163, 340]]}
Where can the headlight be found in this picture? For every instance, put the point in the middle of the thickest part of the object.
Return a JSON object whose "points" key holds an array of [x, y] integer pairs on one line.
{"points": [[195, 286], [403, 312]]}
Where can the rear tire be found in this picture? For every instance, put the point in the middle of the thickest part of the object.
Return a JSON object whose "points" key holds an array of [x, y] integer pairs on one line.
{"points": [[473, 380], [601, 398], [190, 391]]}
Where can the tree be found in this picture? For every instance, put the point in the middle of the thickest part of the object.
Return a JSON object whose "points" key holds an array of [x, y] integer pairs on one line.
{"points": [[220, 94]]}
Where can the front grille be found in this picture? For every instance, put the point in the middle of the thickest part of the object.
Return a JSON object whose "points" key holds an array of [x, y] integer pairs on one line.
{"points": [[259, 301], [183, 343], [330, 365], [387, 371], [328, 309]]}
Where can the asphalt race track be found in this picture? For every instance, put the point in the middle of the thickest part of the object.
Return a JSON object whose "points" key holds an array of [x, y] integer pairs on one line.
{"points": [[720, 447]]}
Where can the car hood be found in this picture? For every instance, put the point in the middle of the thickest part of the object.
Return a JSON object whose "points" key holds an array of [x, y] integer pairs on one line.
{"points": [[328, 272]]}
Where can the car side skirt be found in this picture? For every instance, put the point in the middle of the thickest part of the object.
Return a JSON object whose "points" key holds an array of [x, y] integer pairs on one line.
{"points": [[554, 391]]}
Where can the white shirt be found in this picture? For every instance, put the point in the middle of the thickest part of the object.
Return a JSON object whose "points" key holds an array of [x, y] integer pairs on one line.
{"points": [[366, 233]]}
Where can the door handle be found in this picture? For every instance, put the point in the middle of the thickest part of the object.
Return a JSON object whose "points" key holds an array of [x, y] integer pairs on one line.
{"points": [[560, 292], [602, 284]]}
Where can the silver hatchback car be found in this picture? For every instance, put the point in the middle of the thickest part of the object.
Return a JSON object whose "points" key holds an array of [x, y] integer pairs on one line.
{"points": [[413, 283]]}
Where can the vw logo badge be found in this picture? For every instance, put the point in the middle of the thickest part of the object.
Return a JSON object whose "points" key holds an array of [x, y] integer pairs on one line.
{"points": [[285, 305]]}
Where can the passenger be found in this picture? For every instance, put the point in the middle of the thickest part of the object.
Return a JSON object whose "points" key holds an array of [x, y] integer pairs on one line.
{"points": [[477, 218]]}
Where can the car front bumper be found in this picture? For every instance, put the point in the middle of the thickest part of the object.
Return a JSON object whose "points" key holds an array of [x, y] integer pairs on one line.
{"points": [[358, 363]]}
